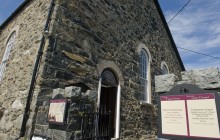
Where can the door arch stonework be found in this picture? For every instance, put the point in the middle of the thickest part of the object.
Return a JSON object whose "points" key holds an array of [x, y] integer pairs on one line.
{"points": [[111, 65]]}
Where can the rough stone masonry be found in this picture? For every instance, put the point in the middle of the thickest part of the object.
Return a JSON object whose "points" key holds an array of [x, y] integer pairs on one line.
{"points": [[208, 79], [89, 32], [82, 35]]}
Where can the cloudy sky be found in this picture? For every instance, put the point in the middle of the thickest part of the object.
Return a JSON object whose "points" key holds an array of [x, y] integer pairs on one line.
{"points": [[7, 7], [196, 28]]}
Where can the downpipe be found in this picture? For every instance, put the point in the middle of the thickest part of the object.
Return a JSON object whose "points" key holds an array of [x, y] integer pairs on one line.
{"points": [[35, 70]]}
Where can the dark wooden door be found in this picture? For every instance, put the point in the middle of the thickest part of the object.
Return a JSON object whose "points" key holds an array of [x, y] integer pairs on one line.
{"points": [[108, 103]]}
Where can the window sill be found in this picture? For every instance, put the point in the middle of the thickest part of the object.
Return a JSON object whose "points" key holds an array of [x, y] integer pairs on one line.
{"points": [[114, 138], [145, 104]]}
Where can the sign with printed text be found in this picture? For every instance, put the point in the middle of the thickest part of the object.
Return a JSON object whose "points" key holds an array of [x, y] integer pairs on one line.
{"points": [[57, 111], [38, 137], [189, 116], [173, 116]]}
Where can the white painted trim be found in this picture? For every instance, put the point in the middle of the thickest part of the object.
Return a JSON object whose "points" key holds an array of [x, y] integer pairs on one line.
{"points": [[139, 48], [99, 93], [109, 64], [118, 104], [149, 85], [163, 63], [143, 46], [7, 51], [15, 29]]}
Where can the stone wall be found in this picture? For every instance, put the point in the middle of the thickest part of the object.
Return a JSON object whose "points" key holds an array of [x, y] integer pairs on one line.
{"points": [[78, 103], [28, 24], [86, 33], [83, 34], [205, 78]]}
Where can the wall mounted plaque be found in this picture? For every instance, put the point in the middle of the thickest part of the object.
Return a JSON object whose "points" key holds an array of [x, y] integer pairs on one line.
{"points": [[38, 137], [189, 115], [57, 111]]}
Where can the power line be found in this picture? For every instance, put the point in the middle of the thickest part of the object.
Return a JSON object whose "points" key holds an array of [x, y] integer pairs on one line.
{"points": [[199, 53], [179, 11]]}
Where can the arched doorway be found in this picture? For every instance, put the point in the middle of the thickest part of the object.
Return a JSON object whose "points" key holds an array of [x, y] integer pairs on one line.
{"points": [[110, 82], [108, 97]]}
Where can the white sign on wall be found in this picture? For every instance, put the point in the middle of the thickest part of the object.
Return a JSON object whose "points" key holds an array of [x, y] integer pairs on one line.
{"points": [[191, 115], [57, 111]]}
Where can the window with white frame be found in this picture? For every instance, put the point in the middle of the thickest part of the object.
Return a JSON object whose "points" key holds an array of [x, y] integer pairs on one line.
{"points": [[144, 64], [9, 46], [164, 68]]}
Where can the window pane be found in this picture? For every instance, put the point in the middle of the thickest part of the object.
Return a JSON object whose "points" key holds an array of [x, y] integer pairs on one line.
{"points": [[9, 46], [164, 70], [108, 78], [2, 69], [144, 72]]}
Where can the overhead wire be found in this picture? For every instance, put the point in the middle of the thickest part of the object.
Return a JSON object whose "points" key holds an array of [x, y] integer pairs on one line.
{"points": [[199, 53], [178, 11], [189, 49]]}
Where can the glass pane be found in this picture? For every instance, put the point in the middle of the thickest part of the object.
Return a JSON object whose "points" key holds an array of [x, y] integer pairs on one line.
{"points": [[2, 70], [108, 78], [164, 70], [9, 46], [144, 72]]}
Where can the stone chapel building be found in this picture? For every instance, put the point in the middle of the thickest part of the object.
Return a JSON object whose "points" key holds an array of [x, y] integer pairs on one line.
{"points": [[113, 48]]}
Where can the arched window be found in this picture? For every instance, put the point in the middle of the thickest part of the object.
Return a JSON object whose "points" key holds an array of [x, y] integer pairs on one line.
{"points": [[9, 46], [164, 68], [144, 64]]}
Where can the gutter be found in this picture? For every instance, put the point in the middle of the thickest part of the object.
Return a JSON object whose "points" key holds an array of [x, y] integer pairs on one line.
{"points": [[35, 70], [169, 33]]}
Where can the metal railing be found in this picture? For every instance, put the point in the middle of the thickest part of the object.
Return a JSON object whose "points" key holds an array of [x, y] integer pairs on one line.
{"points": [[96, 126]]}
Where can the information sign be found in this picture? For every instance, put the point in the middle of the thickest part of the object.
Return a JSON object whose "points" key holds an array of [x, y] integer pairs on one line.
{"points": [[189, 116], [57, 111]]}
